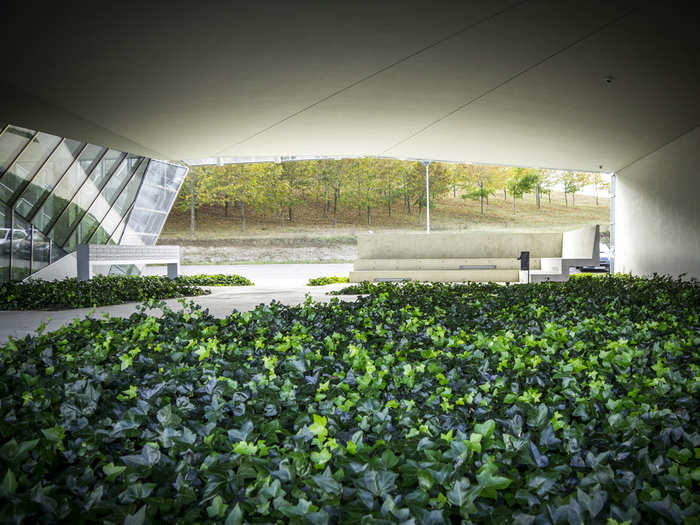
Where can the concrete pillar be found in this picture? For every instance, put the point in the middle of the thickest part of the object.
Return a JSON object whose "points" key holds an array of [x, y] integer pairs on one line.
{"points": [[657, 213]]}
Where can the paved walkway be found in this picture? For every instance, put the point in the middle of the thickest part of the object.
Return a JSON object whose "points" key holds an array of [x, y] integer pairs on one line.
{"points": [[285, 283]]}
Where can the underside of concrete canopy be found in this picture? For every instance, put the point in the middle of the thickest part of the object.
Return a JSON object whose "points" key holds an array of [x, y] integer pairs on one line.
{"points": [[567, 84], [604, 85]]}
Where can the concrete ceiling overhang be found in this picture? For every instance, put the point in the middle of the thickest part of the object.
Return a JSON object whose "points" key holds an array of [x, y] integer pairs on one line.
{"points": [[565, 84]]}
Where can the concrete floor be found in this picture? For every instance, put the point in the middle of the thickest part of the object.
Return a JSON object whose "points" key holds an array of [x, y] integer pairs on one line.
{"points": [[285, 283]]}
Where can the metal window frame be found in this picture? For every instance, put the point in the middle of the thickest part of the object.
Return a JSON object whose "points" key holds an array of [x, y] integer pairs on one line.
{"points": [[4, 128], [124, 221], [20, 191], [53, 221], [31, 247], [116, 167], [116, 198], [12, 239], [613, 195], [127, 215], [165, 212], [24, 148], [35, 209]]}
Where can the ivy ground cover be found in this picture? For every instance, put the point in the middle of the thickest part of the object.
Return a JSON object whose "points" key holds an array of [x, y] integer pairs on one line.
{"points": [[104, 290], [554, 403]]}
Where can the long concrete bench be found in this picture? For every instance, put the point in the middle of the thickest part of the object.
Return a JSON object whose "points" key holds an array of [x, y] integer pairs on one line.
{"points": [[471, 256], [579, 248], [89, 255]]}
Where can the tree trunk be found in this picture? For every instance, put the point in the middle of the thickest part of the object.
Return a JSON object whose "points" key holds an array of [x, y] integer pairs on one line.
{"points": [[193, 222], [281, 217], [368, 221], [573, 199], [335, 206], [566, 200], [226, 209], [596, 194], [549, 196], [537, 195], [242, 216], [481, 186], [513, 203], [388, 203], [289, 213], [505, 194], [454, 191]]}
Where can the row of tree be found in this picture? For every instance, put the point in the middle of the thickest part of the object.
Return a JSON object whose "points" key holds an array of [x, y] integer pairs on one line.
{"points": [[364, 184]]}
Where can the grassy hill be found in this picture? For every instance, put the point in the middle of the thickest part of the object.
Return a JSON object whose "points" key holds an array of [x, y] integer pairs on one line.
{"points": [[449, 214]]}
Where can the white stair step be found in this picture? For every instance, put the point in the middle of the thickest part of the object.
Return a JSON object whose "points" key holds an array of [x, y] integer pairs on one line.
{"points": [[497, 275], [441, 264]]}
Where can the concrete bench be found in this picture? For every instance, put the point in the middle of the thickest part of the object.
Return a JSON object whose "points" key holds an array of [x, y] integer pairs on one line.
{"points": [[579, 248], [89, 255], [473, 256]]}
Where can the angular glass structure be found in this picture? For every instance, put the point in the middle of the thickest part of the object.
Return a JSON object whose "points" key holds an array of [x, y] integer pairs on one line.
{"points": [[56, 193]]}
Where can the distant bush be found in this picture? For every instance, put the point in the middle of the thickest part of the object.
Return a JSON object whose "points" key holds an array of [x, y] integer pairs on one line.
{"points": [[218, 279], [366, 287], [106, 290], [321, 281]]}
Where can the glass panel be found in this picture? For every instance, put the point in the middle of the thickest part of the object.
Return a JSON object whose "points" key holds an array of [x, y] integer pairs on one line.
{"points": [[116, 183], [64, 191], [48, 176], [155, 198], [24, 169], [117, 234], [21, 249], [146, 221], [121, 206], [101, 173], [101, 206], [174, 176], [5, 225], [88, 194], [139, 239], [100, 237], [11, 144], [41, 247]]}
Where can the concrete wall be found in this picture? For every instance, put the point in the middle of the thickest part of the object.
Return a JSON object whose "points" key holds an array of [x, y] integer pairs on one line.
{"points": [[457, 245], [65, 268], [657, 216], [583, 243]]}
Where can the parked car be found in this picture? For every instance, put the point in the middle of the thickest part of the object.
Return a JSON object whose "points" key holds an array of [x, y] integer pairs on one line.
{"points": [[18, 237], [604, 261]]}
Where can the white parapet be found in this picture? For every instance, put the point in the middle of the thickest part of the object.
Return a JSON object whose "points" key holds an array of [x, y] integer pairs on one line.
{"points": [[473, 256]]}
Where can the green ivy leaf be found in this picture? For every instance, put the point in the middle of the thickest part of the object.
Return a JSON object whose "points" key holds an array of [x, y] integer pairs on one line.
{"points": [[217, 508], [235, 517], [138, 518], [326, 482], [486, 429], [457, 495], [8, 485]]}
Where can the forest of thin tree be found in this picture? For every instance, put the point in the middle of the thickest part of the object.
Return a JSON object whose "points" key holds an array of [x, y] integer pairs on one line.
{"points": [[365, 184]]}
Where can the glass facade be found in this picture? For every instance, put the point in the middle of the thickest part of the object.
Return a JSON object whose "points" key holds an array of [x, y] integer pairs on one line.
{"points": [[56, 193]]}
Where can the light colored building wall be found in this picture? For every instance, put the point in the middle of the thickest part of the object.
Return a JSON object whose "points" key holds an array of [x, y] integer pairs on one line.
{"points": [[657, 216], [457, 245]]}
